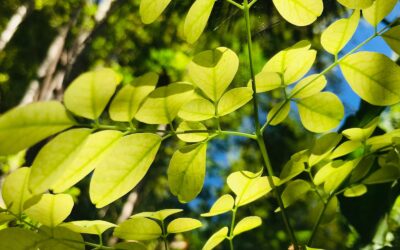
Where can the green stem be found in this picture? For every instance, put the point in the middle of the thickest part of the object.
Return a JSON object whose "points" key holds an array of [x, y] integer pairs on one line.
{"points": [[260, 140], [235, 3], [230, 238], [318, 222], [164, 236]]}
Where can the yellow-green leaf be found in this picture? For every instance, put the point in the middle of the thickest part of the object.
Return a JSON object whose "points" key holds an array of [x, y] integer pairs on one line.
{"points": [[345, 148], [196, 19], [356, 4], [59, 238], [339, 33], [320, 112], [181, 225], [213, 70], [248, 186], [247, 224], [373, 76], [323, 146], [278, 113], [386, 174], [198, 109], [158, 215], [138, 229], [51, 209], [294, 166], [361, 134], [25, 126], [224, 204], [299, 12], [127, 102], [15, 190], [294, 191], [355, 191], [164, 103], [14, 238], [4, 218], [266, 81], [150, 10], [88, 227], [233, 100], [392, 38], [378, 11], [186, 171], [122, 167], [192, 137], [89, 94], [216, 239], [84, 159], [309, 86], [131, 245]]}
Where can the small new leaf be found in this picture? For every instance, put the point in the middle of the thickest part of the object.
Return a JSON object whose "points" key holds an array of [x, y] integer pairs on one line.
{"points": [[224, 204], [181, 225]]}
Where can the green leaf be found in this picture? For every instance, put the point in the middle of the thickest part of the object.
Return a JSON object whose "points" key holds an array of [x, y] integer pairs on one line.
{"points": [[278, 113], [127, 102], [294, 166], [294, 191], [247, 224], [164, 103], [345, 148], [392, 38], [25, 126], [198, 109], [48, 166], [292, 63], [224, 204], [4, 218], [356, 4], [216, 239], [158, 215], [138, 229], [51, 209], [15, 190], [150, 10], [266, 81], [355, 191], [323, 146], [59, 238], [248, 186], [299, 12], [309, 86], [186, 171], [192, 137], [14, 238], [96, 227], [339, 33], [233, 100], [373, 76], [181, 225], [89, 94], [361, 134], [131, 245], [213, 70], [320, 112], [362, 168], [130, 159], [386, 174], [378, 142], [196, 19], [378, 11], [83, 159]]}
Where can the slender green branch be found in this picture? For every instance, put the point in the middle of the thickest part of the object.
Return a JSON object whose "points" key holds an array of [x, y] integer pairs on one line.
{"points": [[235, 4], [230, 238], [252, 3], [164, 236], [318, 222]]}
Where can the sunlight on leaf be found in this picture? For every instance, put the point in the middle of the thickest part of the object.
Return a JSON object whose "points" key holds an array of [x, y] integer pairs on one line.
{"points": [[224, 204]]}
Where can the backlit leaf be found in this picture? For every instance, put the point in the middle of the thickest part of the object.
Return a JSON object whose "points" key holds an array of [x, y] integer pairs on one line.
{"points": [[4, 218], [320, 112], [51, 209], [59, 238], [224, 204], [15, 190], [138, 229], [14, 238], [294, 191], [278, 113], [25, 126], [361, 134], [198, 109], [339, 33], [196, 19], [247, 224], [383, 175], [392, 38], [192, 137], [88, 227], [131, 245], [345, 148], [127, 101], [294, 166], [186, 171], [213, 70], [216, 239], [356, 4], [89, 94], [130, 159], [378, 11], [181, 225], [299, 12], [323, 146], [309, 86], [266, 81], [164, 103], [150, 10], [355, 191], [233, 100], [158, 215], [373, 76]]}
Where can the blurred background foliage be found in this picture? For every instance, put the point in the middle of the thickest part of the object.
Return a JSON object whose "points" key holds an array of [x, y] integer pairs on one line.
{"points": [[58, 40]]}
